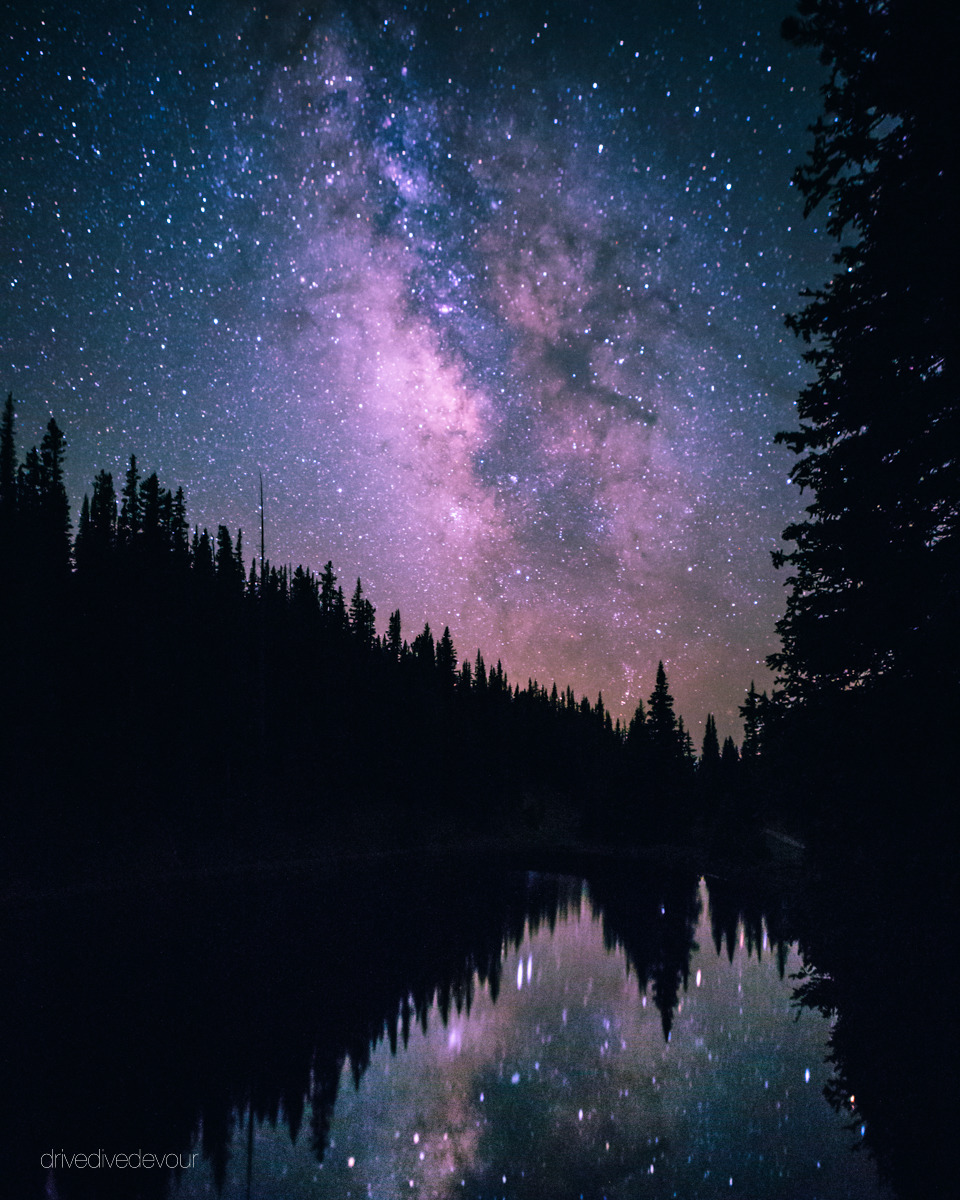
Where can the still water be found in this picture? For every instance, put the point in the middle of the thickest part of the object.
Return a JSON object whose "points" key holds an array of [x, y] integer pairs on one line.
{"points": [[572, 1067]]}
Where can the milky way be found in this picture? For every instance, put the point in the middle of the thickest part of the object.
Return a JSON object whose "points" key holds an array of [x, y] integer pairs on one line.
{"points": [[493, 296]]}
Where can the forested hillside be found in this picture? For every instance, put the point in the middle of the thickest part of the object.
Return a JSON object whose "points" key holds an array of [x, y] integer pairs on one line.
{"points": [[165, 691]]}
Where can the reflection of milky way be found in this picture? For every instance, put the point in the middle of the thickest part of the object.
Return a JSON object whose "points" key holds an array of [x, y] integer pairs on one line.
{"points": [[565, 1086], [494, 299]]}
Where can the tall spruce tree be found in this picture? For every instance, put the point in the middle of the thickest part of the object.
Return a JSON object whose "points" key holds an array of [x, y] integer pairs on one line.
{"points": [[8, 460], [362, 614], [179, 530], [710, 750], [446, 659], [128, 525], [304, 594], [874, 568], [424, 649], [150, 523], [83, 530], [54, 507], [103, 513], [394, 635], [228, 564], [752, 711], [332, 608], [479, 674], [661, 723], [29, 491], [8, 485]]}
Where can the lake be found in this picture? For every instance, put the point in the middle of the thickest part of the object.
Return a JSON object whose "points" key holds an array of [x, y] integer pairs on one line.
{"points": [[448, 1031]]}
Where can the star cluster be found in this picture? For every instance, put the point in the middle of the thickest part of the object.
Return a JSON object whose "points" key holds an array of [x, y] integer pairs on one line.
{"points": [[492, 294]]}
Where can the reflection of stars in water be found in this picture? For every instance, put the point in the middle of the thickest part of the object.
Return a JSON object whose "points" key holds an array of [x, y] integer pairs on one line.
{"points": [[566, 1085], [493, 298]]}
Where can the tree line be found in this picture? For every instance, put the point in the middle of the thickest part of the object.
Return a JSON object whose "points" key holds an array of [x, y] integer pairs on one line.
{"points": [[166, 686]]}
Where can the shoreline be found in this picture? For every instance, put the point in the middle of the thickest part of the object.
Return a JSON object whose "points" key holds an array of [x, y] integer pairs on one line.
{"points": [[545, 855]]}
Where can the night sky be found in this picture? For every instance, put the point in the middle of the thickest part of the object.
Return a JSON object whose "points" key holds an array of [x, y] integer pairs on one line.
{"points": [[492, 294]]}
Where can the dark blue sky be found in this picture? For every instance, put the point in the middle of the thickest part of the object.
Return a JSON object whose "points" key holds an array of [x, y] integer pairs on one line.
{"points": [[492, 294]]}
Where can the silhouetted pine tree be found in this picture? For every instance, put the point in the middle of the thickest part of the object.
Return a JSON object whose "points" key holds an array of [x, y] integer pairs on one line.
{"points": [[227, 564], [752, 713], [28, 484], [446, 659], [179, 529], [424, 650], [710, 750], [8, 461], [54, 505], [128, 525], [480, 675], [42, 522], [102, 531], [875, 569], [661, 722], [9, 525], [362, 614], [394, 636], [201, 556], [685, 745], [637, 733], [149, 505], [83, 530], [304, 595], [333, 609]]}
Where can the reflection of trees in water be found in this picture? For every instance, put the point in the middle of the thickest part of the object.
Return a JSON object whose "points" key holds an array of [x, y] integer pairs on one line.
{"points": [[169, 1021], [164, 1021], [876, 943], [737, 905], [652, 917], [871, 931]]}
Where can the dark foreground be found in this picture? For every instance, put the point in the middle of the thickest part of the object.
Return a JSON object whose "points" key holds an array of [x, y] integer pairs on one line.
{"points": [[159, 1012]]}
